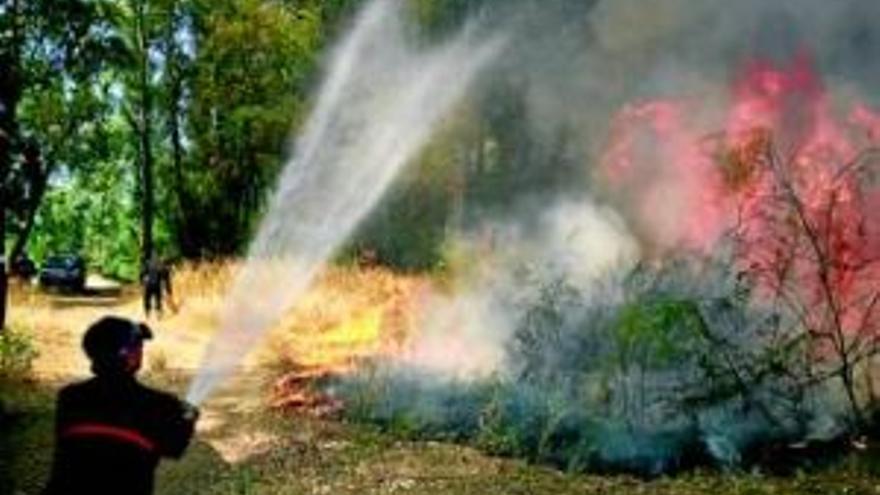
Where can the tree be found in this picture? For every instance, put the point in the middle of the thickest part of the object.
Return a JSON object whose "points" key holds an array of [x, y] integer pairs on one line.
{"points": [[137, 21], [42, 43], [178, 72], [254, 63], [794, 186], [807, 241], [64, 128]]}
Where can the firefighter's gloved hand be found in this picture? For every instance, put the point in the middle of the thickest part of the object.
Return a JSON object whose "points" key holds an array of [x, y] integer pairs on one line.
{"points": [[191, 413]]}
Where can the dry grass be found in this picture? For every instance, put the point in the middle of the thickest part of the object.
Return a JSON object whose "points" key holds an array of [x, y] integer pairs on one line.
{"points": [[199, 290], [253, 449], [57, 322], [349, 314]]}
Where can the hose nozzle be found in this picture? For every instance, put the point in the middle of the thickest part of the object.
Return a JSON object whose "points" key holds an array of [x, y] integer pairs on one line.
{"points": [[191, 413]]}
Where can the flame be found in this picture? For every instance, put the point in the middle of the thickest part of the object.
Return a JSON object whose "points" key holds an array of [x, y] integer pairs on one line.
{"points": [[352, 315], [357, 336], [692, 184]]}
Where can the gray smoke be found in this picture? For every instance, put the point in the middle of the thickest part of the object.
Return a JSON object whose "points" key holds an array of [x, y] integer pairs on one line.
{"points": [[531, 355]]}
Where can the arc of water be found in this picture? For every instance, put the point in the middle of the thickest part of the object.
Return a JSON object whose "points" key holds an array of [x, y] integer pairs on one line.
{"points": [[378, 106]]}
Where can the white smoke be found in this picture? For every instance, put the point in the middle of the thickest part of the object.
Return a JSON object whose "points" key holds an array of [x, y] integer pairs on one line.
{"points": [[464, 335]]}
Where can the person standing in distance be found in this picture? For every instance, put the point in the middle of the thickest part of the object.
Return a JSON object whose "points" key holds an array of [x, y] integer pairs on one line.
{"points": [[156, 279]]}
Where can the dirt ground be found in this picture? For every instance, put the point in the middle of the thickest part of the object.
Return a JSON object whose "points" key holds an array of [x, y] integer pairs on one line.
{"points": [[244, 446], [57, 323]]}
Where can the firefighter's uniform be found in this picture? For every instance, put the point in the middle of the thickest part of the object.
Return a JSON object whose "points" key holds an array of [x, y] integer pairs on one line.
{"points": [[111, 431]]}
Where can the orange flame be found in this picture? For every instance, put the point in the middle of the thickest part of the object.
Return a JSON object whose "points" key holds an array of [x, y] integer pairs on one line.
{"points": [[352, 315]]}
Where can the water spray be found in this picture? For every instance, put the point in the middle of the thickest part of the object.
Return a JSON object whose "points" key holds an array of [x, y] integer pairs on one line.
{"points": [[378, 106]]}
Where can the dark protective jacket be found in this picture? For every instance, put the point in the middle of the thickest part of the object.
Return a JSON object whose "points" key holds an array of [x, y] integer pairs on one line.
{"points": [[111, 432], [156, 277]]}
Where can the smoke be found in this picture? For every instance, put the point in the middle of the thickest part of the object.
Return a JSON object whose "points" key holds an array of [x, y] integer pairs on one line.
{"points": [[584, 68], [574, 65], [378, 105], [577, 70], [465, 334], [564, 339], [635, 371], [541, 348]]}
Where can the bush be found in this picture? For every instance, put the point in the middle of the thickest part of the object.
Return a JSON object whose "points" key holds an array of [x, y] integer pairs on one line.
{"points": [[17, 353], [659, 370]]}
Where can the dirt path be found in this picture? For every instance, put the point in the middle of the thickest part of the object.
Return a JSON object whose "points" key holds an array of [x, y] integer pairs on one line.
{"points": [[171, 359]]}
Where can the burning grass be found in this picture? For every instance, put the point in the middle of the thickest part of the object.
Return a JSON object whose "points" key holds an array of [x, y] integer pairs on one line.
{"points": [[755, 349], [351, 315], [660, 372]]}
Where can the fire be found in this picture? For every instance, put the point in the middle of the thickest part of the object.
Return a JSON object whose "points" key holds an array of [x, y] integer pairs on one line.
{"points": [[686, 180], [781, 172], [351, 316], [777, 163]]}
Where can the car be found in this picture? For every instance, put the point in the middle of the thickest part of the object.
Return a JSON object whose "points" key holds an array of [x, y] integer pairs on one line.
{"points": [[23, 267], [67, 271]]}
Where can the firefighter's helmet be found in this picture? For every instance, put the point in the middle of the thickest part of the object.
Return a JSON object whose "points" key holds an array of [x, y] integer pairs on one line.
{"points": [[109, 338]]}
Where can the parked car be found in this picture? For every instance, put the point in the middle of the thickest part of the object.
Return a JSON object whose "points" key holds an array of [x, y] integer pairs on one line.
{"points": [[23, 267], [66, 271]]}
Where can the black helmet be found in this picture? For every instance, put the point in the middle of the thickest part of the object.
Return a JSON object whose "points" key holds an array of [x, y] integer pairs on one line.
{"points": [[105, 338]]}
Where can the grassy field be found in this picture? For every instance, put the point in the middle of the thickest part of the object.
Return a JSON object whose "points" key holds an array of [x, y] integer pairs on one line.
{"points": [[271, 453], [246, 446]]}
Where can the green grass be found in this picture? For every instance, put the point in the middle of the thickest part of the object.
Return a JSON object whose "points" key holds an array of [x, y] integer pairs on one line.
{"points": [[25, 435], [330, 457]]}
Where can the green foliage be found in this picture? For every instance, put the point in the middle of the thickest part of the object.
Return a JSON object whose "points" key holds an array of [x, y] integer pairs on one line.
{"points": [[513, 424], [542, 328], [252, 72], [659, 332], [409, 228], [215, 100], [17, 353], [407, 231], [92, 213], [215, 89]]}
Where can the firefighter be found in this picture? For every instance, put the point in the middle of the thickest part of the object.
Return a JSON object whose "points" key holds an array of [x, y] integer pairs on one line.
{"points": [[156, 278], [110, 430]]}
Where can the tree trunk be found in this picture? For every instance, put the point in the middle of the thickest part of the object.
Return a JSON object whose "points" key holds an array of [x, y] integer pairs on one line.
{"points": [[869, 384], [37, 173], [175, 70], [145, 144], [6, 125], [3, 276], [184, 238], [33, 206], [846, 376], [10, 93]]}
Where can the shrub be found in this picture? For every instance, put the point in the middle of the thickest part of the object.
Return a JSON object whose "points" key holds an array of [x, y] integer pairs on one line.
{"points": [[658, 370], [17, 353]]}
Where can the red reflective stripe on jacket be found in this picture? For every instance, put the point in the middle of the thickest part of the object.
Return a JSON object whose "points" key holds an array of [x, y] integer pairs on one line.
{"points": [[115, 432]]}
